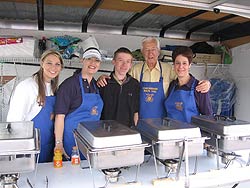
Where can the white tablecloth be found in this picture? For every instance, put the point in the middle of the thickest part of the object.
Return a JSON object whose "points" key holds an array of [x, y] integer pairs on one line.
{"points": [[76, 177]]}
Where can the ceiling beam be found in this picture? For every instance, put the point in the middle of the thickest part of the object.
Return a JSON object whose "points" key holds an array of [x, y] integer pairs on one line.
{"points": [[232, 32], [230, 8], [208, 23], [216, 3], [136, 17], [40, 14], [91, 12], [236, 42], [180, 20]]}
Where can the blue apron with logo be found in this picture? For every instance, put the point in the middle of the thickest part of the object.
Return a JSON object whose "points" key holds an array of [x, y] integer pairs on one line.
{"points": [[89, 110], [181, 105], [151, 98], [44, 121]]}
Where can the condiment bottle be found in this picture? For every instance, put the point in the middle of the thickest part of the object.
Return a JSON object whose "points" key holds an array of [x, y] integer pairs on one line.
{"points": [[75, 159], [58, 158]]}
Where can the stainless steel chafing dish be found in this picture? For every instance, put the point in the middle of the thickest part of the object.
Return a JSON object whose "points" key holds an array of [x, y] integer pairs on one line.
{"points": [[231, 134], [167, 136], [109, 144], [19, 143]]}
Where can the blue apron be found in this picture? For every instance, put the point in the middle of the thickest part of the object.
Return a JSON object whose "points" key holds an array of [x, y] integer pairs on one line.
{"points": [[181, 105], [89, 110], [151, 98], [44, 121]]}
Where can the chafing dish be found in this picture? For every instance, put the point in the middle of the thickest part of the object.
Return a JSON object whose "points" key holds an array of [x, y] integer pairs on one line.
{"points": [[167, 135], [19, 144], [231, 134], [109, 144], [16, 136]]}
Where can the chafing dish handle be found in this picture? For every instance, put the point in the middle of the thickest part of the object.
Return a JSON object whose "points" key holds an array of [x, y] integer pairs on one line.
{"points": [[224, 118], [38, 136], [244, 138], [76, 134], [46, 182], [29, 183], [8, 127]]}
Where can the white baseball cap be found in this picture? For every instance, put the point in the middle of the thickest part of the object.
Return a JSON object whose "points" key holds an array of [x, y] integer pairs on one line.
{"points": [[92, 52]]}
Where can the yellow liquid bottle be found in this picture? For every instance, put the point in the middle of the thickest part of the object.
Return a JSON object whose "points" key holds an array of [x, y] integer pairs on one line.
{"points": [[58, 158]]}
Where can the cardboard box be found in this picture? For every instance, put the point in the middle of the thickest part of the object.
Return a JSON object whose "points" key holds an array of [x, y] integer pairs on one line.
{"points": [[166, 55], [207, 58], [18, 47]]}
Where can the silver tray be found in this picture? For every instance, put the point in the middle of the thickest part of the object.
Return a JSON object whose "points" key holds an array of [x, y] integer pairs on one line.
{"points": [[108, 133], [222, 127], [16, 130], [16, 136], [167, 137], [170, 149], [167, 129], [110, 157], [20, 161], [231, 135]]}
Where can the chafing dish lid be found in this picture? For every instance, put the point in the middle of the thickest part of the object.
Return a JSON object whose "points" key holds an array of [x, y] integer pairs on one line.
{"points": [[167, 129], [222, 126], [108, 133], [16, 130]]}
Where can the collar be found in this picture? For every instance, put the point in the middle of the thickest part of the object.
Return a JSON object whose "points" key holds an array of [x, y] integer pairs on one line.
{"points": [[119, 81], [189, 84], [146, 68], [112, 75]]}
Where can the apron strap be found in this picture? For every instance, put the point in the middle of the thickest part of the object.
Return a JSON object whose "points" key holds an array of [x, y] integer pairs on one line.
{"points": [[141, 75], [82, 89]]}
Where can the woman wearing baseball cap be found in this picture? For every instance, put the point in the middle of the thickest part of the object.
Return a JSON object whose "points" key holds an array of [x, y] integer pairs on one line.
{"points": [[78, 100]]}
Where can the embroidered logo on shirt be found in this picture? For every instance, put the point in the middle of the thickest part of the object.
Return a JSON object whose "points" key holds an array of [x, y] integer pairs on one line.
{"points": [[179, 106], [94, 111]]}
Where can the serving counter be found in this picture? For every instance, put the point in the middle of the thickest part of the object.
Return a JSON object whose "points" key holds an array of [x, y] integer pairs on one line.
{"points": [[77, 177]]}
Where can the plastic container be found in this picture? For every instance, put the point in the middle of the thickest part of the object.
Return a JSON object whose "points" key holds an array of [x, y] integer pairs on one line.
{"points": [[58, 158], [75, 158]]}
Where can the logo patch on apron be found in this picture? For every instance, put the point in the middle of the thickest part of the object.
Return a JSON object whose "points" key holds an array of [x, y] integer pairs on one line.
{"points": [[179, 106], [94, 111], [149, 97]]}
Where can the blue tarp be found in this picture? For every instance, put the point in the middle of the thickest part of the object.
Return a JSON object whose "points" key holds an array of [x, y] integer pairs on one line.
{"points": [[222, 94]]}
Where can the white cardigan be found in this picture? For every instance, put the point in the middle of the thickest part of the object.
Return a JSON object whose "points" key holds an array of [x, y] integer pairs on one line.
{"points": [[23, 103]]}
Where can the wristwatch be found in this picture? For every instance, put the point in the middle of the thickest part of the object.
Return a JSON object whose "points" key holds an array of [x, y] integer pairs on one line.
{"points": [[58, 142]]}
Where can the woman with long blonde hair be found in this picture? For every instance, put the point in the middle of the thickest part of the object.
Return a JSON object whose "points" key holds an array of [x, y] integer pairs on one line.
{"points": [[34, 98]]}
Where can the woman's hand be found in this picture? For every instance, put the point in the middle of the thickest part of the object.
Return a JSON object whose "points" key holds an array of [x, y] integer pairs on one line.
{"points": [[59, 145], [101, 81], [59, 128], [203, 86]]}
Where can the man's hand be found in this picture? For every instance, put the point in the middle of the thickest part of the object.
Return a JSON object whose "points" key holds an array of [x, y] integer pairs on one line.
{"points": [[203, 86], [101, 81]]}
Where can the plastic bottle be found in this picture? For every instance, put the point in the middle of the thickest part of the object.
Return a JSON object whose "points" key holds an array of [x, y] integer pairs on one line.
{"points": [[58, 158], [75, 159]]}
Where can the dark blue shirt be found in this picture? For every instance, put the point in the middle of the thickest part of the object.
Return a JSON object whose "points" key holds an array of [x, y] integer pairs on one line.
{"points": [[69, 96], [202, 100]]}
